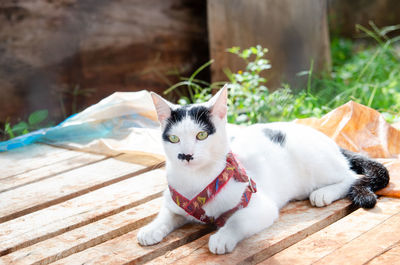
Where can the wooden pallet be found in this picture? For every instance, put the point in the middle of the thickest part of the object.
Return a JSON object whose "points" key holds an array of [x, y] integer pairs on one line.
{"points": [[68, 207]]}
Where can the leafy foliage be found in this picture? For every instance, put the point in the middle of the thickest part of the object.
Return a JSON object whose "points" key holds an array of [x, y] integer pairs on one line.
{"points": [[367, 74], [35, 121], [40, 118], [248, 94], [198, 90]]}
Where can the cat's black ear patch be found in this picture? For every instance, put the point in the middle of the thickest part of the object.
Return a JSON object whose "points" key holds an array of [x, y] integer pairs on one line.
{"points": [[202, 116], [176, 116], [275, 136]]}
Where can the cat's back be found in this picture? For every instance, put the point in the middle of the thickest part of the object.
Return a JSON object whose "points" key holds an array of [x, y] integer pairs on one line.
{"points": [[280, 136], [287, 146]]}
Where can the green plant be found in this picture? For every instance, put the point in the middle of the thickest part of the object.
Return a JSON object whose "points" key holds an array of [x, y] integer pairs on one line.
{"points": [[247, 92], [366, 73], [198, 90], [35, 121]]}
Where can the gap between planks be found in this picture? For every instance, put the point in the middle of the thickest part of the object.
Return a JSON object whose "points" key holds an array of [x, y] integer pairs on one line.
{"points": [[297, 220], [27, 158], [78, 212], [336, 235], [119, 226], [361, 250], [126, 250], [44, 193], [390, 257], [81, 238], [39, 174]]}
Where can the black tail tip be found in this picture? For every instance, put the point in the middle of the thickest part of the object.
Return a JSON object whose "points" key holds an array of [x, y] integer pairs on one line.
{"points": [[366, 200]]}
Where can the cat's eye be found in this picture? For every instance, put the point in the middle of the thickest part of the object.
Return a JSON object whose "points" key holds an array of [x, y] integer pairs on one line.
{"points": [[173, 139], [201, 135]]}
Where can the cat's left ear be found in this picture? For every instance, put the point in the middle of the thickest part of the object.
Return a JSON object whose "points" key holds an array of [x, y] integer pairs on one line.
{"points": [[218, 103]]}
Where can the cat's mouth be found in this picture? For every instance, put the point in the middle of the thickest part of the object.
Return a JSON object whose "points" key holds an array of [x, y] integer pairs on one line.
{"points": [[188, 163]]}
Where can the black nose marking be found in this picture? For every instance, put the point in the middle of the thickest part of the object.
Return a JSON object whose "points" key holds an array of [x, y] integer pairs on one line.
{"points": [[185, 157]]}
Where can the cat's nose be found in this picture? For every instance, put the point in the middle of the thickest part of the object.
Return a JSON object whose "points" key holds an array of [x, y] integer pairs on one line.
{"points": [[186, 157]]}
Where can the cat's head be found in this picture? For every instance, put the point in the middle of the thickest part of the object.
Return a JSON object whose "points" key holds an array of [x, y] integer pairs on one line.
{"points": [[193, 135]]}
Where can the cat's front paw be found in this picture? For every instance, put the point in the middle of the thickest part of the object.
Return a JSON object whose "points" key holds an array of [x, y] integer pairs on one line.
{"points": [[150, 235], [322, 197], [221, 243]]}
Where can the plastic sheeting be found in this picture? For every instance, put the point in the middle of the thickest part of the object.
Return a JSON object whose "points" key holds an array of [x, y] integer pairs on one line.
{"points": [[364, 130], [360, 129], [126, 122]]}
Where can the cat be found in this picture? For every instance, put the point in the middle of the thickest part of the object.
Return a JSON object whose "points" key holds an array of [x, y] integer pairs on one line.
{"points": [[287, 161]]}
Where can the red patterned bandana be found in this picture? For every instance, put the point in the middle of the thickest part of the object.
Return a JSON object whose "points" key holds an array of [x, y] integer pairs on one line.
{"points": [[194, 207]]}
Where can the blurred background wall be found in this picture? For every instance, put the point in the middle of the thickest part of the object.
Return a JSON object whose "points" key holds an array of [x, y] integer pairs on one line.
{"points": [[64, 55], [344, 15]]}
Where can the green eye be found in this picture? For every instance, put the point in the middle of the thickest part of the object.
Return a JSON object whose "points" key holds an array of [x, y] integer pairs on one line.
{"points": [[173, 139], [201, 135]]}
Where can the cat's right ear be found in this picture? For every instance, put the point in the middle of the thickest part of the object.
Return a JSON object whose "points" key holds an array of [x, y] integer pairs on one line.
{"points": [[163, 107], [219, 102]]}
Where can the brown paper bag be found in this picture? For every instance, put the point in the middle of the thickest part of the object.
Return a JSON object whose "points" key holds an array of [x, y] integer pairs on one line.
{"points": [[364, 130]]}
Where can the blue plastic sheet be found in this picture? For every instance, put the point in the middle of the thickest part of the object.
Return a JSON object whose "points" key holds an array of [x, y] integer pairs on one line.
{"points": [[114, 118]]}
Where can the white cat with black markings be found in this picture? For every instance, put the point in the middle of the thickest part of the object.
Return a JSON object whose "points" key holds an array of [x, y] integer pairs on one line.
{"points": [[285, 161]]}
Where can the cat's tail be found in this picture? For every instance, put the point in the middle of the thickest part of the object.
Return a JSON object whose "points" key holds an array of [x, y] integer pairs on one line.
{"points": [[376, 177]]}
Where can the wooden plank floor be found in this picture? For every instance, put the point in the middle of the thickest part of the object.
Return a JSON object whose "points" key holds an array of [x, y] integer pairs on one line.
{"points": [[62, 206]]}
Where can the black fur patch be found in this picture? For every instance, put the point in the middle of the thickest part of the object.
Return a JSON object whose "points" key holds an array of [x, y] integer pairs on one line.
{"points": [[186, 157], [361, 195], [202, 116], [176, 116], [199, 114], [376, 177], [275, 136]]}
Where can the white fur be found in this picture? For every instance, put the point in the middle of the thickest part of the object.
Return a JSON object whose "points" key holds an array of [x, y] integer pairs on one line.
{"points": [[307, 165]]}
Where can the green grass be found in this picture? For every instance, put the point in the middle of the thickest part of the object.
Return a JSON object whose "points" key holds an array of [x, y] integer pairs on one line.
{"points": [[368, 74]]}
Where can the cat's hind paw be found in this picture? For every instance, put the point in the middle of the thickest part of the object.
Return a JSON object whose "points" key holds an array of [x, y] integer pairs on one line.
{"points": [[221, 243], [150, 235]]}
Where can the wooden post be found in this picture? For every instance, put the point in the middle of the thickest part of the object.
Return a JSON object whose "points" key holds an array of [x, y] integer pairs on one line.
{"points": [[344, 15], [295, 32]]}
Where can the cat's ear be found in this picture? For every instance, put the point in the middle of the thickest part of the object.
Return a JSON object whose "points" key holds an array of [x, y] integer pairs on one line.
{"points": [[163, 107], [218, 102]]}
